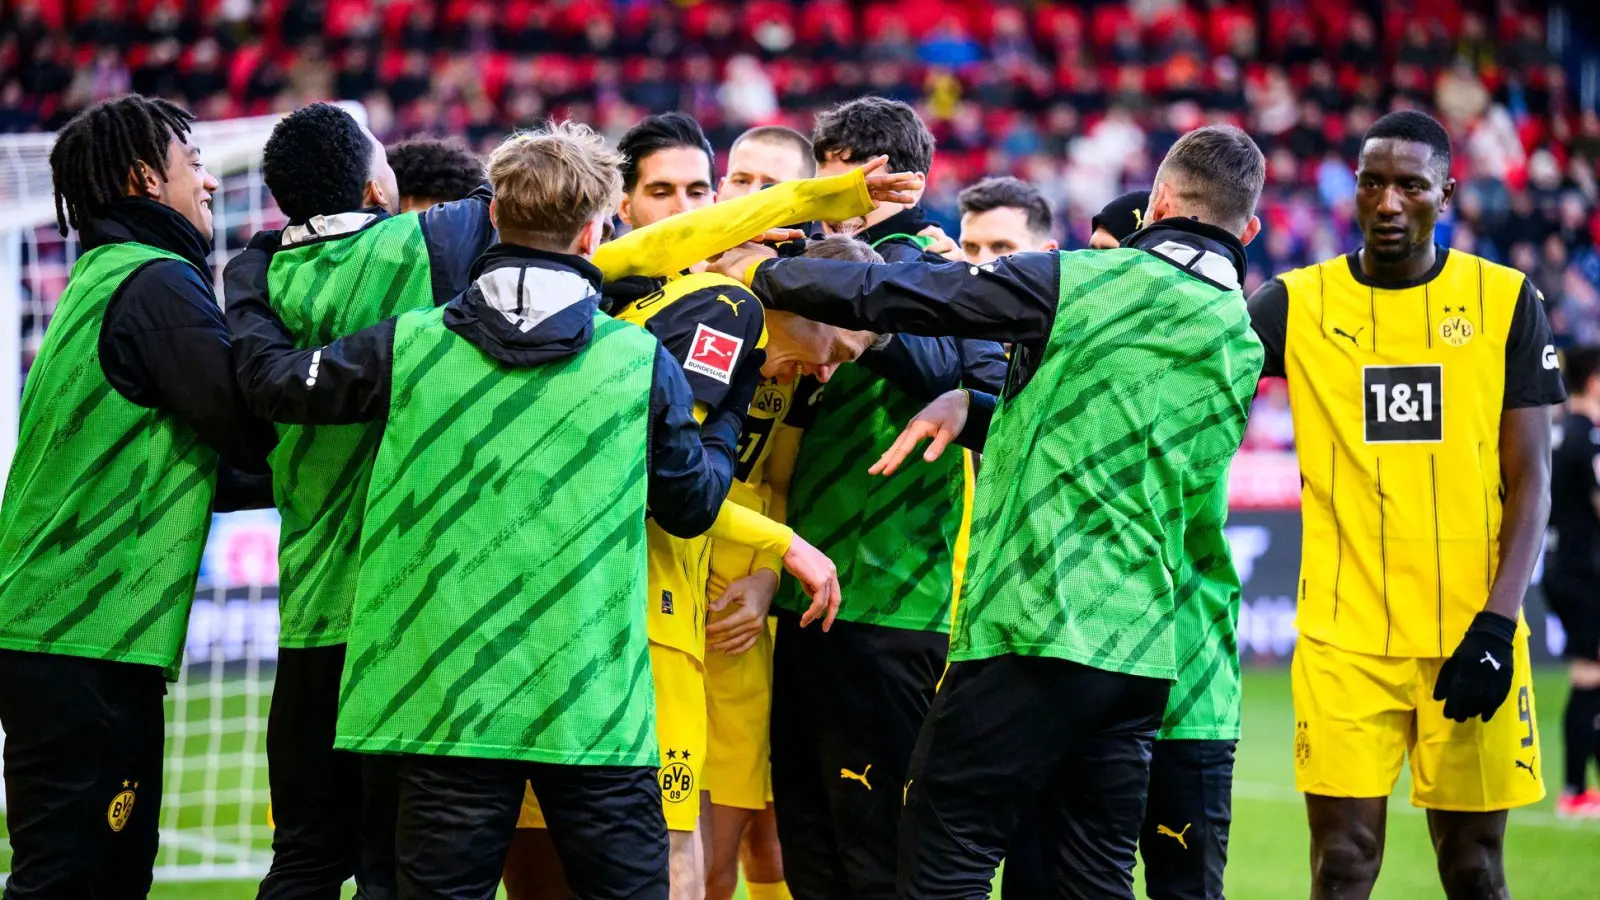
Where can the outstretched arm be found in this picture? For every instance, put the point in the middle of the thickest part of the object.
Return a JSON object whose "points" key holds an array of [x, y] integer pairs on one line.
{"points": [[345, 381], [1012, 299]]}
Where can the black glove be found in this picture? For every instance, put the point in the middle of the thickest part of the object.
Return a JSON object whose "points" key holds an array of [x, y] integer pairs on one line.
{"points": [[1476, 678]]}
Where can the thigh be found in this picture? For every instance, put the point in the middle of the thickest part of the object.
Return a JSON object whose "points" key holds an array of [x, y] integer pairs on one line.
{"points": [[738, 713], [76, 730], [681, 732], [881, 681], [800, 797], [607, 825], [455, 821], [1354, 715], [1184, 839], [996, 733], [1095, 800], [1477, 766]]}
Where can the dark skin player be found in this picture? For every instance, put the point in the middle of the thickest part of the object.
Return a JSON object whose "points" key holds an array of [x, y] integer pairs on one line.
{"points": [[1400, 192]]}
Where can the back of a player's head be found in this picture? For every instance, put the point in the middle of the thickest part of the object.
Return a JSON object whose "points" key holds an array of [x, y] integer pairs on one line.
{"points": [[317, 162], [662, 131], [780, 136], [552, 183], [843, 247], [1009, 193], [1214, 174], [1414, 127], [1580, 366], [100, 150], [434, 170], [868, 127]]}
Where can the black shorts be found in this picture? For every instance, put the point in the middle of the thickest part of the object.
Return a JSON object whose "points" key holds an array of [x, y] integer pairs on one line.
{"points": [[83, 775], [846, 708], [1184, 840], [1578, 608], [333, 816], [1015, 738], [457, 817]]}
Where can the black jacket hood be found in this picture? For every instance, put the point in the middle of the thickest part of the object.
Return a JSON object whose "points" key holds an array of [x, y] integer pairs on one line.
{"points": [[142, 220], [1166, 237], [527, 307]]}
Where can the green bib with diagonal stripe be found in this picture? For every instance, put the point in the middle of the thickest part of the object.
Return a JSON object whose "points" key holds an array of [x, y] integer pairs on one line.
{"points": [[108, 503], [892, 538], [323, 290], [1095, 471], [501, 606]]}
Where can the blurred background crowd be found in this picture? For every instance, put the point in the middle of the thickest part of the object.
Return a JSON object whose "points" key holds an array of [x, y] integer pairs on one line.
{"points": [[1079, 97]]}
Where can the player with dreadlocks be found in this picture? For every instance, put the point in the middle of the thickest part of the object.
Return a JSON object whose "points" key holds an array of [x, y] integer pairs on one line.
{"points": [[131, 434]]}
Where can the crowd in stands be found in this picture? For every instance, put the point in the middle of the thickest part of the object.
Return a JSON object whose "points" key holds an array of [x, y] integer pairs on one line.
{"points": [[1078, 97]]}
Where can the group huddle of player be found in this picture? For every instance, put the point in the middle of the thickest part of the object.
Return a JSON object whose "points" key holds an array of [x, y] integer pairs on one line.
{"points": [[539, 488]]}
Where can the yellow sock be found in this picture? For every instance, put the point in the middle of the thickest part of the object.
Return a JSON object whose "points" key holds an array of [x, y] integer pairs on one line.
{"points": [[776, 890]]}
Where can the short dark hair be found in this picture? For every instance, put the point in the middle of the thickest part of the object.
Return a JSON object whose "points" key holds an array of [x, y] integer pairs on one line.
{"points": [[1219, 175], [1578, 366], [1010, 193], [101, 147], [1417, 127], [873, 126], [317, 162], [842, 246], [663, 131], [778, 134], [440, 169]]}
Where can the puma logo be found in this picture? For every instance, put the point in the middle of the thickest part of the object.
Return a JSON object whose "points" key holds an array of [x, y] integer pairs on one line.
{"points": [[1138, 218], [1489, 658], [1175, 835], [732, 304], [1345, 334], [1527, 765], [848, 775]]}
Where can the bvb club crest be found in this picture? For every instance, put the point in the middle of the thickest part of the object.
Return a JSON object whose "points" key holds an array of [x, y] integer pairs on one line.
{"points": [[121, 808], [1455, 330], [677, 779], [1302, 745]]}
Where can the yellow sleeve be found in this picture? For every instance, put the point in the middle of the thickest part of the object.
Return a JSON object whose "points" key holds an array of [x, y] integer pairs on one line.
{"points": [[739, 525], [675, 243], [776, 474]]}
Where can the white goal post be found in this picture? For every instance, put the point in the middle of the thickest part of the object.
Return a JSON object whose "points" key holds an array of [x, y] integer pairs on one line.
{"points": [[214, 816]]}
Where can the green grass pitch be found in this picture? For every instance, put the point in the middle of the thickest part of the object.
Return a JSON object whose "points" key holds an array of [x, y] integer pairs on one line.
{"points": [[1547, 859]]}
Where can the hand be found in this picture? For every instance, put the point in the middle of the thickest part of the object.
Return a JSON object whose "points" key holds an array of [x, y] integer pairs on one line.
{"points": [[942, 244], [740, 630], [820, 579], [779, 236], [734, 262], [897, 187], [941, 420], [1476, 678]]}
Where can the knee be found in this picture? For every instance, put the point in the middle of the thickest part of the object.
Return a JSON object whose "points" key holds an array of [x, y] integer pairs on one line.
{"points": [[1470, 867], [762, 856], [1346, 860]]}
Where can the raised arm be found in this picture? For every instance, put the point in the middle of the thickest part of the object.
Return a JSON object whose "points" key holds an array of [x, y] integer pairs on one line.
{"points": [[678, 242]]}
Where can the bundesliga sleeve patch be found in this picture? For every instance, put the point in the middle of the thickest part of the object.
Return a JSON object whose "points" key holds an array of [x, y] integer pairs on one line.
{"points": [[713, 354]]}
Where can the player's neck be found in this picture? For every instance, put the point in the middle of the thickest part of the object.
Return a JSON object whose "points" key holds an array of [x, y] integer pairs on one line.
{"points": [[1410, 269]]}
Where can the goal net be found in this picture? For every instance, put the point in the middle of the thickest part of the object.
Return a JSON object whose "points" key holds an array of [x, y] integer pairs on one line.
{"points": [[214, 807]]}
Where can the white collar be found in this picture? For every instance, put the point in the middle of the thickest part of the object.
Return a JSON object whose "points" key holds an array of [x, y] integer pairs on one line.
{"points": [[325, 226]]}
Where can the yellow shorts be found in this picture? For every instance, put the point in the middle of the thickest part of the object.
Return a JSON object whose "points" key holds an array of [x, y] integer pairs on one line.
{"points": [[681, 731], [739, 713], [1357, 716]]}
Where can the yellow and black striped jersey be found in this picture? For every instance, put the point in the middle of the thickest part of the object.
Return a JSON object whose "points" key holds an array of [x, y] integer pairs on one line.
{"points": [[1396, 392]]}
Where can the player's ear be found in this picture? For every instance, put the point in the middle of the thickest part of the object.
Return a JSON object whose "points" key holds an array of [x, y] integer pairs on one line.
{"points": [[625, 210], [494, 215], [1051, 244], [144, 181], [1446, 194], [589, 238], [374, 195], [1251, 229]]}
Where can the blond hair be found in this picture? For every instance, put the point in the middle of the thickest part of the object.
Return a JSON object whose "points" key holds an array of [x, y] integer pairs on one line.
{"points": [[548, 184]]}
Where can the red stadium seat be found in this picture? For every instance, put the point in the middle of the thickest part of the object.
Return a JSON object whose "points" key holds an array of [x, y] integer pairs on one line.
{"points": [[828, 17]]}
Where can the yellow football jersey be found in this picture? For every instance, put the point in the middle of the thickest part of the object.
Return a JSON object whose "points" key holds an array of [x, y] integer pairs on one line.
{"points": [[1396, 392]]}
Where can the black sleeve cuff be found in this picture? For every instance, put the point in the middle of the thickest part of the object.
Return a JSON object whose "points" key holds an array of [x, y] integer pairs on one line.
{"points": [[980, 412]]}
